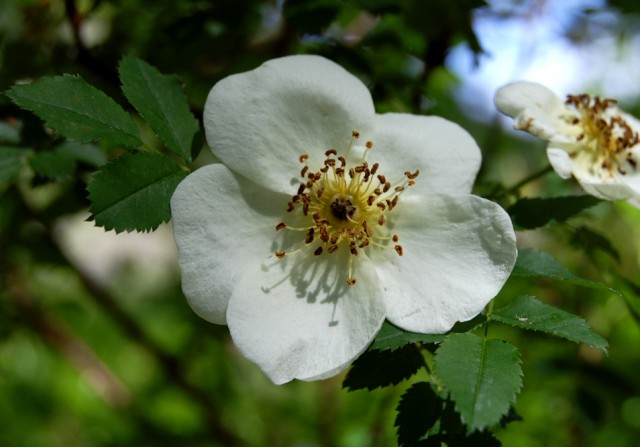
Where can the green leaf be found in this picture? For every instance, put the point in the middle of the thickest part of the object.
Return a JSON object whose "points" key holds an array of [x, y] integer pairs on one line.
{"points": [[527, 312], [534, 263], [533, 213], [418, 410], [11, 161], [77, 110], [591, 241], [483, 377], [161, 101], [392, 337], [375, 369], [53, 164], [133, 192]]}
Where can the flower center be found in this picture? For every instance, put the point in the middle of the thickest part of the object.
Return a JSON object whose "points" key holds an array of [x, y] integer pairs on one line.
{"points": [[608, 137], [342, 206]]}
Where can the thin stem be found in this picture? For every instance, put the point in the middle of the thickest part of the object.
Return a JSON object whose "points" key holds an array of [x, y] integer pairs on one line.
{"points": [[536, 175]]}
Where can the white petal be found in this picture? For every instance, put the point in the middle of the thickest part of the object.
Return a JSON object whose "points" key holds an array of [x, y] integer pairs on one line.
{"points": [[608, 190], [297, 318], [458, 252], [536, 109], [560, 161], [447, 156], [221, 222], [259, 122]]}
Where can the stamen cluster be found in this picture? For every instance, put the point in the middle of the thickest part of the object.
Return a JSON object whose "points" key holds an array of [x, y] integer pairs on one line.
{"points": [[346, 206], [605, 132]]}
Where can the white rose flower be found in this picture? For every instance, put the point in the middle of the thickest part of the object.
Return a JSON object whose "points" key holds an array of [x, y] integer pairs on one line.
{"points": [[590, 139], [325, 218]]}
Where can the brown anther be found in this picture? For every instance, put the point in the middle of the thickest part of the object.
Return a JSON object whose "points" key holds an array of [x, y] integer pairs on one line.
{"points": [[382, 179], [342, 160], [399, 188], [374, 168], [411, 183], [332, 248], [320, 192], [339, 171], [280, 254], [281, 226], [304, 171], [377, 191], [367, 229], [290, 207], [387, 187], [331, 152], [352, 173], [353, 248], [395, 238], [318, 251], [324, 170], [364, 243], [305, 208], [575, 121], [369, 144], [330, 162], [381, 219], [324, 234], [303, 157], [370, 200], [398, 249], [351, 281], [381, 205], [301, 188], [355, 134], [632, 161], [309, 237], [359, 169], [394, 202], [413, 175]]}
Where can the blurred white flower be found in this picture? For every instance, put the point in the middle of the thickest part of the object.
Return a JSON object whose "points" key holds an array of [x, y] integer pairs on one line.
{"points": [[590, 139], [325, 218]]}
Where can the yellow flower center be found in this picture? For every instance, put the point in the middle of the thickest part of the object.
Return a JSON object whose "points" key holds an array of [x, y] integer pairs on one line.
{"points": [[607, 135], [344, 206]]}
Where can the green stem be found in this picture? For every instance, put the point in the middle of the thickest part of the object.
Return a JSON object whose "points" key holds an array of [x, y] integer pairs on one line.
{"points": [[535, 176]]}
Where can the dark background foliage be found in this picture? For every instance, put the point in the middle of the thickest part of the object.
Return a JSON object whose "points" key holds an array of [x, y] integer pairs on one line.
{"points": [[97, 344]]}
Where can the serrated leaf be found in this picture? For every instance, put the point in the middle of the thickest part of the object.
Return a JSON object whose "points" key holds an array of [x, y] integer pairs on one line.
{"points": [[526, 312], [133, 192], [77, 110], [375, 369], [391, 337], [534, 213], [11, 161], [483, 377], [161, 101], [535, 263], [417, 412]]}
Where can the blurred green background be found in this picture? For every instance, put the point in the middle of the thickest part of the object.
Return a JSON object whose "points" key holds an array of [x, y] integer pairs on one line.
{"points": [[97, 344]]}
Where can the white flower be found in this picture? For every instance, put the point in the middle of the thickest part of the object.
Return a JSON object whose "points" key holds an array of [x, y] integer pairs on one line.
{"points": [[325, 218], [590, 139]]}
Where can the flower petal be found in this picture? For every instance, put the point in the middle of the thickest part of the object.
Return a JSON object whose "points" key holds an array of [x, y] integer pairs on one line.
{"points": [[447, 156], [221, 221], [297, 318], [535, 108], [259, 122], [458, 252], [560, 161]]}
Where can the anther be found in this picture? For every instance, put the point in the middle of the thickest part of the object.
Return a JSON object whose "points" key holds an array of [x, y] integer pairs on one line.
{"points": [[381, 220], [369, 144], [412, 176], [353, 249], [382, 179], [331, 152], [281, 226], [332, 248], [370, 200], [395, 238], [355, 134], [280, 254], [374, 168], [301, 188], [320, 192], [367, 230], [387, 187], [303, 157], [318, 251], [351, 281], [309, 237], [398, 249], [290, 207], [304, 171], [342, 160]]}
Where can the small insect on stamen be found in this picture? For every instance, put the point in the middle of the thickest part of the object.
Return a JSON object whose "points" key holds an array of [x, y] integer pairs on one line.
{"points": [[281, 226], [280, 254], [398, 249]]}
